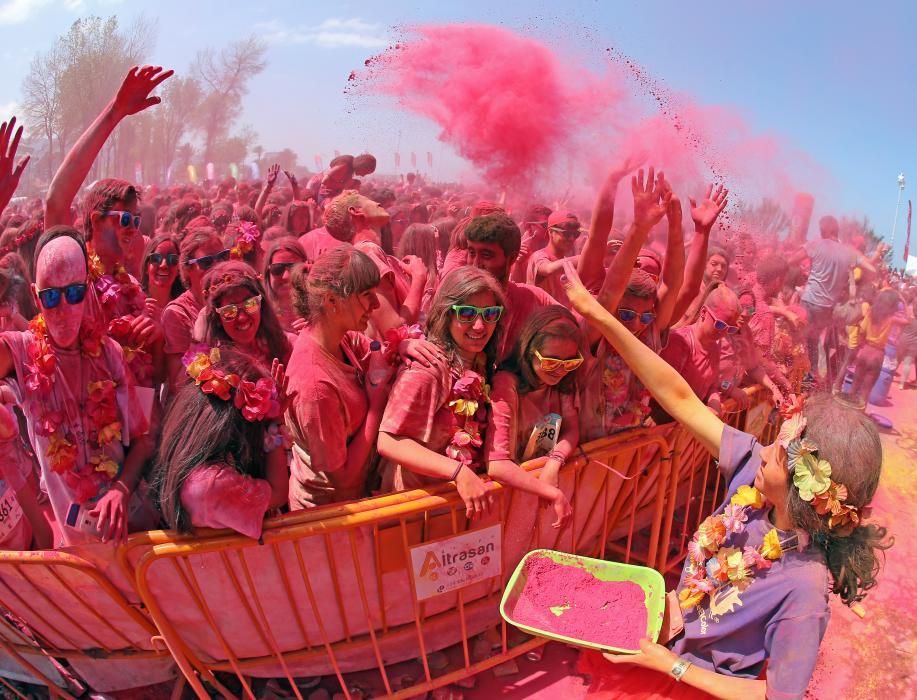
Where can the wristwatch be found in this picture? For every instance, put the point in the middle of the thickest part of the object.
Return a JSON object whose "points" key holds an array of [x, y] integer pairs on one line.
{"points": [[679, 669]]}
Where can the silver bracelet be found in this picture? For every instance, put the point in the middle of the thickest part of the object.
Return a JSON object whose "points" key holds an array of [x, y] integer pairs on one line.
{"points": [[679, 669]]}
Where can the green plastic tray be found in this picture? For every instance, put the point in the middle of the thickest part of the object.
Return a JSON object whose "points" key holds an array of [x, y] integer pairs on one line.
{"points": [[649, 580]]}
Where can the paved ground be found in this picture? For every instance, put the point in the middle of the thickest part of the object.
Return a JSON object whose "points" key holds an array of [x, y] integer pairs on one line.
{"points": [[865, 658]]}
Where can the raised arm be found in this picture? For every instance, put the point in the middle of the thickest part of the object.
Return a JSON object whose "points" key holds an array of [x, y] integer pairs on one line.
{"points": [[269, 183], [665, 384], [673, 270], [704, 215], [592, 259], [133, 96], [9, 175]]}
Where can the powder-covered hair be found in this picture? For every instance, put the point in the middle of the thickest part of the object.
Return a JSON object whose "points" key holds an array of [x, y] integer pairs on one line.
{"points": [[641, 284], [200, 429], [104, 195], [496, 228], [54, 233], [420, 240], [542, 325], [342, 271], [226, 277], [848, 439], [289, 245], [771, 268], [190, 243], [456, 288], [884, 306], [177, 286]]}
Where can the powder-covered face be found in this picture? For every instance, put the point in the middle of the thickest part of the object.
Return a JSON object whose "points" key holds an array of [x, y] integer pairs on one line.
{"points": [[638, 304], [555, 348], [280, 283], [716, 269], [162, 275], [113, 242], [472, 338], [60, 264], [243, 329], [490, 258], [747, 307], [773, 478], [195, 273]]}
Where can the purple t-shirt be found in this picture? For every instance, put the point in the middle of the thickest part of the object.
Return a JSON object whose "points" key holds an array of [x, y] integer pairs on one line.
{"points": [[780, 618]]}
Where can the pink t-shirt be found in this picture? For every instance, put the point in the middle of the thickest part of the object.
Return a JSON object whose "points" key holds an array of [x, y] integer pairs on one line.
{"points": [[316, 242], [216, 495], [390, 270], [513, 416], [699, 367], [762, 325], [68, 395], [455, 257], [178, 320], [549, 283], [418, 409], [329, 409], [521, 301]]}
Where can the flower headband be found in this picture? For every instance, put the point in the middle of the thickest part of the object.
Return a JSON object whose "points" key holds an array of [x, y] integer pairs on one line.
{"points": [[245, 243], [811, 474], [257, 401]]}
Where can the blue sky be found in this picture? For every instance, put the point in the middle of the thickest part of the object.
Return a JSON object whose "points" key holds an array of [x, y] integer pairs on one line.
{"points": [[835, 79]]}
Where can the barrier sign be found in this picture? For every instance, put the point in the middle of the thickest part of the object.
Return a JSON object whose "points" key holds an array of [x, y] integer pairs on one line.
{"points": [[455, 562]]}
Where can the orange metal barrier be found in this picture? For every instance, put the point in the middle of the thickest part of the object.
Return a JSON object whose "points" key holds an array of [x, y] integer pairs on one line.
{"points": [[331, 591]]}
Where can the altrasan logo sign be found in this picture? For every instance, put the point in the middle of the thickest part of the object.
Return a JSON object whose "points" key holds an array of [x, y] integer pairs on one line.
{"points": [[455, 562]]}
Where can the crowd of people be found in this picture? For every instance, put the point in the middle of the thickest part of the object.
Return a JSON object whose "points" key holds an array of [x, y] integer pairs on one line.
{"points": [[208, 355]]}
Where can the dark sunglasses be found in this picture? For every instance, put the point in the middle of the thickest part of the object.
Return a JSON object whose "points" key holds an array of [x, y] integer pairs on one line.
{"points": [[467, 314], [628, 315], [157, 258], [569, 233], [277, 269], [125, 218], [205, 262], [73, 293]]}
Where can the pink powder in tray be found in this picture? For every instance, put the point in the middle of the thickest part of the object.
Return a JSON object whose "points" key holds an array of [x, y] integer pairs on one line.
{"points": [[608, 613]]}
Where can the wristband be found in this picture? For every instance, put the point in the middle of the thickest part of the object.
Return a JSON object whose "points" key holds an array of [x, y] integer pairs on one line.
{"points": [[458, 469], [679, 669], [559, 456]]}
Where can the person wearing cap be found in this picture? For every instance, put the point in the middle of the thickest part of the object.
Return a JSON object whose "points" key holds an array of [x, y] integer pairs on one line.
{"points": [[546, 265], [534, 238]]}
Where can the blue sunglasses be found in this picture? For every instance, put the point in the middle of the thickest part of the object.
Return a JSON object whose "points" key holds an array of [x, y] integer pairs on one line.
{"points": [[125, 218], [51, 297], [628, 315]]}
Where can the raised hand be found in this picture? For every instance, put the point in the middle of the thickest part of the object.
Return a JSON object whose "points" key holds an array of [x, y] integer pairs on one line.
{"points": [[291, 177], [272, 174], [650, 198], [706, 213], [9, 176], [673, 212], [134, 94]]}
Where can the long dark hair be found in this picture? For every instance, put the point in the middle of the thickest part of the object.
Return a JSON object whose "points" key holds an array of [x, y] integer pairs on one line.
{"points": [[199, 429], [177, 286], [231, 275], [848, 439], [456, 288], [545, 323]]}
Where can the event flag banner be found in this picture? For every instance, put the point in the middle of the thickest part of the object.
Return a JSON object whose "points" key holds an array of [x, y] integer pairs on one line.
{"points": [[907, 240], [455, 562]]}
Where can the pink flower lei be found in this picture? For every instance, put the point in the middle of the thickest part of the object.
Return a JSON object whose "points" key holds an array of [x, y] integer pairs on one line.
{"points": [[468, 401], [245, 243]]}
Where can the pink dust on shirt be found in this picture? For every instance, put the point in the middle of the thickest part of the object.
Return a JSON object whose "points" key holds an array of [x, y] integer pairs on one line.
{"points": [[609, 613]]}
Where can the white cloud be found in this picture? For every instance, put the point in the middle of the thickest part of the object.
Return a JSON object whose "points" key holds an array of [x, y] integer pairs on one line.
{"points": [[19, 11], [331, 34], [8, 110]]}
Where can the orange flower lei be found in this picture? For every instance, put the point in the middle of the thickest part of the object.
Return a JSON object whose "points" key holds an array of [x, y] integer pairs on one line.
{"points": [[85, 480], [245, 243]]}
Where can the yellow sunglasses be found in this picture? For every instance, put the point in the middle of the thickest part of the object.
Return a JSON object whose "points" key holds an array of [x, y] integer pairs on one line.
{"points": [[552, 364]]}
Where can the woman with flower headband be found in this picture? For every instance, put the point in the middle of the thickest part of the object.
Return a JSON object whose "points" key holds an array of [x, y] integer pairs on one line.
{"points": [[533, 406], [198, 252], [339, 397], [222, 458], [434, 423], [754, 586], [84, 421], [282, 256], [238, 313]]}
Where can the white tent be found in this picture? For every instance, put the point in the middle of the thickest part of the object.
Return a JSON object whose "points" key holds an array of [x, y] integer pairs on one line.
{"points": [[911, 268]]}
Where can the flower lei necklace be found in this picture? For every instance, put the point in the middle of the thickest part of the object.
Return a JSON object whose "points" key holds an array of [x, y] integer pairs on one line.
{"points": [[84, 480], [713, 566], [468, 401], [245, 243]]}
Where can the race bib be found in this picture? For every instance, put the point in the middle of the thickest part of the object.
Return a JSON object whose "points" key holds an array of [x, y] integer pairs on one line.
{"points": [[544, 437], [10, 511]]}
